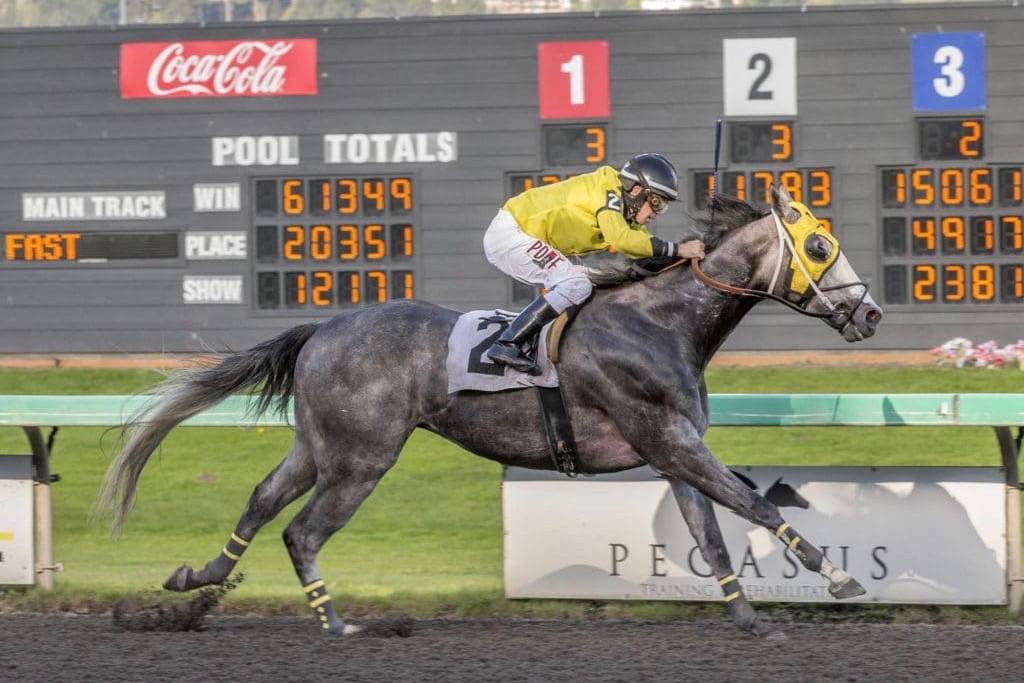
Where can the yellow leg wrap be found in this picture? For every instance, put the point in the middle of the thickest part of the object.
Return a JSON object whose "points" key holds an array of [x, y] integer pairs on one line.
{"points": [[238, 539], [230, 554], [319, 601], [732, 596], [781, 530], [792, 544], [731, 577], [313, 586]]}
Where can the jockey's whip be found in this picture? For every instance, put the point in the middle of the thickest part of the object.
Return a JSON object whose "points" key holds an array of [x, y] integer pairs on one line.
{"points": [[714, 179]]}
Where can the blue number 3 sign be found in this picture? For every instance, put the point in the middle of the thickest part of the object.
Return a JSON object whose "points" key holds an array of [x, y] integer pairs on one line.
{"points": [[948, 71]]}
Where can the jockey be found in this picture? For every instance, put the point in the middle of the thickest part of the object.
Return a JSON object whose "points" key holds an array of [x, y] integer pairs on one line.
{"points": [[589, 212]]}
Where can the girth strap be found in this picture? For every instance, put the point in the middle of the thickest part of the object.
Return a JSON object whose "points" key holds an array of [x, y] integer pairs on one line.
{"points": [[561, 442]]}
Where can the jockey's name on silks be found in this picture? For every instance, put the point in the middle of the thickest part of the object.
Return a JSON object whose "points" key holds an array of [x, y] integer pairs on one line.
{"points": [[581, 214]]}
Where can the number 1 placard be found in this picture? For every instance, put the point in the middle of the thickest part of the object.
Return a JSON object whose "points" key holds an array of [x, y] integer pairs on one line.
{"points": [[572, 79], [759, 76]]}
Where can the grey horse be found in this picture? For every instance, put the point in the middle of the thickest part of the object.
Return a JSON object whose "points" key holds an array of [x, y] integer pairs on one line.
{"points": [[631, 369]]}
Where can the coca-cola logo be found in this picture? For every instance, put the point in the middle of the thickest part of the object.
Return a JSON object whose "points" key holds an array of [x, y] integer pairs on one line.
{"points": [[244, 68]]}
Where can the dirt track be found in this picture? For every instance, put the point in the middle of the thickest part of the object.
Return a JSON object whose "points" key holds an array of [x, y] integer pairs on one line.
{"points": [[52, 647]]}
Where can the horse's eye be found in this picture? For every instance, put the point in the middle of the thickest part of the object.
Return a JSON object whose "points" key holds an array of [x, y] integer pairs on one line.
{"points": [[818, 248]]}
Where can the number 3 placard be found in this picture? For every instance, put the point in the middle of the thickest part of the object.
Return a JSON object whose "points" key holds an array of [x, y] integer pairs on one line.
{"points": [[572, 80], [759, 76], [948, 71]]}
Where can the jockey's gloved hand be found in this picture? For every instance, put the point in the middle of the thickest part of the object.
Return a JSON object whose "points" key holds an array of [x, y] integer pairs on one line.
{"points": [[677, 250], [687, 250]]}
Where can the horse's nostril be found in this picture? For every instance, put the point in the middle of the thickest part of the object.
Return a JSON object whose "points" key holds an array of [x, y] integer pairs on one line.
{"points": [[873, 316]]}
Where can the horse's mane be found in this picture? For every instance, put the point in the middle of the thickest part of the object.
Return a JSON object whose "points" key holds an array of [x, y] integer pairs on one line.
{"points": [[729, 213]]}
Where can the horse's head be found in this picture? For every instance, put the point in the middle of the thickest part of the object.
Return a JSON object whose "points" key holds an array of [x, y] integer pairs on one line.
{"points": [[787, 255], [813, 274]]}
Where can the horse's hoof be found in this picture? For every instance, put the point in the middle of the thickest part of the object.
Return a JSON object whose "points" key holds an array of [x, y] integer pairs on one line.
{"points": [[179, 580], [766, 631], [847, 588]]}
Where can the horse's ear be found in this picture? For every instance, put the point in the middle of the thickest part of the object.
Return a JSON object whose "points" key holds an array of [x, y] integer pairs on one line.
{"points": [[781, 203]]}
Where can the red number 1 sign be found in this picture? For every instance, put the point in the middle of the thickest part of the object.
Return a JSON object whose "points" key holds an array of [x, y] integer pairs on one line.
{"points": [[572, 80]]}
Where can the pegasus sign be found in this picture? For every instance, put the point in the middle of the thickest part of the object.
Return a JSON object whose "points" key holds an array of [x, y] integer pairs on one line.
{"points": [[221, 68]]}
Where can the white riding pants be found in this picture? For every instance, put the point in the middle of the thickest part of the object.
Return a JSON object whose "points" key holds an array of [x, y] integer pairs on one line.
{"points": [[534, 262]]}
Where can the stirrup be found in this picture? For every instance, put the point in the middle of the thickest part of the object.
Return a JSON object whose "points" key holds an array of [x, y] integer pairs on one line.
{"points": [[511, 355]]}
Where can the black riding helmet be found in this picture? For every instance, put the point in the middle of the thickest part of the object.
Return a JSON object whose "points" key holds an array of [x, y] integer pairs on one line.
{"points": [[656, 175]]}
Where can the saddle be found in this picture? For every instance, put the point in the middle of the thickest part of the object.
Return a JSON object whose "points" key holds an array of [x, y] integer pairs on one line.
{"points": [[604, 269]]}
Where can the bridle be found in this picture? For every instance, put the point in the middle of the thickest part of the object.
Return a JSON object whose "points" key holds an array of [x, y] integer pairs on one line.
{"points": [[837, 316]]}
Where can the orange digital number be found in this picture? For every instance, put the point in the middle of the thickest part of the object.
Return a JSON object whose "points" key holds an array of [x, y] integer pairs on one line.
{"points": [[354, 286], [293, 201], [922, 184], [1012, 233], [400, 190], [980, 186], [953, 234], [901, 188], [969, 138], [596, 145], [405, 285], [550, 179], [295, 238], [1016, 282], [826, 223], [1015, 186], [983, 282], [951, 182], [763, 181], [923, 230], [983, 235], [741, 186], [373, 242], [348, 242], [821, 187], [300, 288], [320, 196], [348, 195], [782, 142], [377, 280], [402, 234], [953, 283], [323, 286], [793, 181], [924, 283], [373, 195], [320, 243]]}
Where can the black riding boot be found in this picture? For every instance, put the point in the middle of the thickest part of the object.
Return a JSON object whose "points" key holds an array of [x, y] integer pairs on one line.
{"points": [[508, 350]]}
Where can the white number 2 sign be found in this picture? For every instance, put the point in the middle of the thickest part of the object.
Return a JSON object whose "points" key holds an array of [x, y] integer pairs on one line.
{"points": [[759, 76]]}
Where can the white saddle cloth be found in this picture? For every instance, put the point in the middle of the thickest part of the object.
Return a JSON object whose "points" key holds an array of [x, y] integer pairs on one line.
{"points": [[469, 368]]}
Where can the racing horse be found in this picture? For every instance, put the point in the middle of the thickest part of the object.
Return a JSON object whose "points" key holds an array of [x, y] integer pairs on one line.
{"points": [[631, 372]]}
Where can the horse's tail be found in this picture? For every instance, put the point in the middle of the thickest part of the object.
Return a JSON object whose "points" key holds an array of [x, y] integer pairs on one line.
{"points": [[190, 391]]}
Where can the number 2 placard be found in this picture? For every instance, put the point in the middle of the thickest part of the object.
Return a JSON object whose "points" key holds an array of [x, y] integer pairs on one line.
{"points": [[759, 76], [572, 79]]}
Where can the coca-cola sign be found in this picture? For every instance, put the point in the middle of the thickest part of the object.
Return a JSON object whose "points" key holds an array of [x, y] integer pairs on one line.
{"points": [[219, 68]]}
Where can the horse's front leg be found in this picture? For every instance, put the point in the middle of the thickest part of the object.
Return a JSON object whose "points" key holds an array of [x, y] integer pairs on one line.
{"points": [[699, 515], [678, 452]]}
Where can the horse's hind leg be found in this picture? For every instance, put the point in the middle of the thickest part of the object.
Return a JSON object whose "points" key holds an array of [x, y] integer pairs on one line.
{"points": [[337, 496], [289, 480], [699, 515]]}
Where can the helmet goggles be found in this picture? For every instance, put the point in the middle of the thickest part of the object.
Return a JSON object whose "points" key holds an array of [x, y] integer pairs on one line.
{"points": [[657, 203]]}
